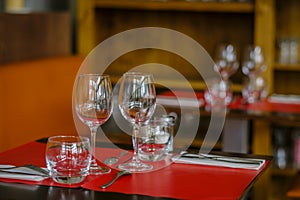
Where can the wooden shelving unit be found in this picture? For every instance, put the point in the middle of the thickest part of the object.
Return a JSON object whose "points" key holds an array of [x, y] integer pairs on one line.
{"points": [[287, 67], [179, 5], [287, 76], [241, 24]]}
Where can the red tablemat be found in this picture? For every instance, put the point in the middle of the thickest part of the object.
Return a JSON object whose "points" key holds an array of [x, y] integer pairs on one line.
{"points": [[32, 153], [264, 105], [183, 182], [176, 181]]}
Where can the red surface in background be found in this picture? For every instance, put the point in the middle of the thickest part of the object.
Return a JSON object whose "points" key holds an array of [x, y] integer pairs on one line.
{"points": [[236, 103]]}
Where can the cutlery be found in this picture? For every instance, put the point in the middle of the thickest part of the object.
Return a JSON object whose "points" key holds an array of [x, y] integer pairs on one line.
{"points": [[42, 171], [114, 160], [23, 173], [119, 174], [223, 159]]}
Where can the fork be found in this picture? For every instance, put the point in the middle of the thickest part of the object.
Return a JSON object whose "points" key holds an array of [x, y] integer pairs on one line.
{"points": [[119, 174]]}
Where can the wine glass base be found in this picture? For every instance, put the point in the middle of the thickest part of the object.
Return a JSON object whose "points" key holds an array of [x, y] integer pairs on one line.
{"points": [[135, 167], [95, 169], [98, 170]]}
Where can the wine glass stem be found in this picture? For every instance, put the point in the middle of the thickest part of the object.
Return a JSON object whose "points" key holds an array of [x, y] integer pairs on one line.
{"points": [[93, 130], [135, 157]]}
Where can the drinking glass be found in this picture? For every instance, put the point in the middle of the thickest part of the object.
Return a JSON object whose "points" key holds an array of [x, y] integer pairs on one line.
{"points": [[253, 65], [94, 105], [137, 99], [68, 158], [155, 139], [254, 90], [226, 63], [253, 61]]}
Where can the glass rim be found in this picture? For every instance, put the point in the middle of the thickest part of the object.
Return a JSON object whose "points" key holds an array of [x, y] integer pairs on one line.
{"points": [[68, 139]]}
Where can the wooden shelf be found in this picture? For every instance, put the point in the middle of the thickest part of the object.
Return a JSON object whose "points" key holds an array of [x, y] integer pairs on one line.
{"points": [[177, 5], [284, 172], [287, 67], [196, 85]]}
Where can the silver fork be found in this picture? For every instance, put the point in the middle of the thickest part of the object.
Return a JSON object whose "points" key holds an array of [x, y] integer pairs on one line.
{"points": [[119, 174]]}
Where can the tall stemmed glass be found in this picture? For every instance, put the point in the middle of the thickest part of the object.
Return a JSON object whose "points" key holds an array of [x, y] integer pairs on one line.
{"points": [[253, 61], [253, 65], [137, 99], [226, 63], [94, 105]]}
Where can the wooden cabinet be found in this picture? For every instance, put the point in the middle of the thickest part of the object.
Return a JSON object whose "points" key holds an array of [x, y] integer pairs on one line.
{"points": [[287, 75], [209, 23], [34, 35], [263, 22]]}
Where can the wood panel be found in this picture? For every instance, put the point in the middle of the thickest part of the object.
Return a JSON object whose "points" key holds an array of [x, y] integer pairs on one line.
{"points": [[177, 5], [287, 82], [34, 35], [287, 19], [209, 29], [286, 77], [265, 35]]}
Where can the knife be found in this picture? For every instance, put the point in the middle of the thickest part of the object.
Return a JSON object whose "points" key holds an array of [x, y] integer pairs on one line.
{"points": [[223, 159]]}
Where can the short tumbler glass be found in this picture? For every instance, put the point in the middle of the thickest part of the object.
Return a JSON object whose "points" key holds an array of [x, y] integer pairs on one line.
{"points": [[68, 158], [155, 140]]}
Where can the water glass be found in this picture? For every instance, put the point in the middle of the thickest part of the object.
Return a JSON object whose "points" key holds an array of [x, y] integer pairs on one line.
{"points": [[218, 93], [68, 158], [155, 139], [255, 90]]}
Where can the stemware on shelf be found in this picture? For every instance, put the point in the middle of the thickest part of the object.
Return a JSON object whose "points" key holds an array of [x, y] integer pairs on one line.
{"points": [[253, 61], [137, 99], [94, 105], [226, 63], [253, 65]]}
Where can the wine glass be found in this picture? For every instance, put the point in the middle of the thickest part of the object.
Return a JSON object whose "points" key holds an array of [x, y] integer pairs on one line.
{"points": [[253, 65], [226, 63], [94, 105], [253, 61], [137, 99]]}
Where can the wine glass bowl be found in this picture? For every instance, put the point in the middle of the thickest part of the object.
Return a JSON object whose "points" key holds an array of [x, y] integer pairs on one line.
{"points": [[136, 100], [253, 62], [226, 62], [90, 115], [93, 105]]}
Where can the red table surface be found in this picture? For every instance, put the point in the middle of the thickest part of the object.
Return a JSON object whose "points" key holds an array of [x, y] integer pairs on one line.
{"points": [[236, 103], [180, 181]]}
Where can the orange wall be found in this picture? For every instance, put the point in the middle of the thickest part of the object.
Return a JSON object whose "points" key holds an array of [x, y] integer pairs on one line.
{"points": [[36, 99]]}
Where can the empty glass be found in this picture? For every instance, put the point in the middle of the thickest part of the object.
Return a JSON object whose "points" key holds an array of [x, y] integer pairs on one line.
{"points": [[218, 93], [93, 101], [68, 158], [253, 61], [155, 139], [255, 89], [137, 99], [226, 63]]}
